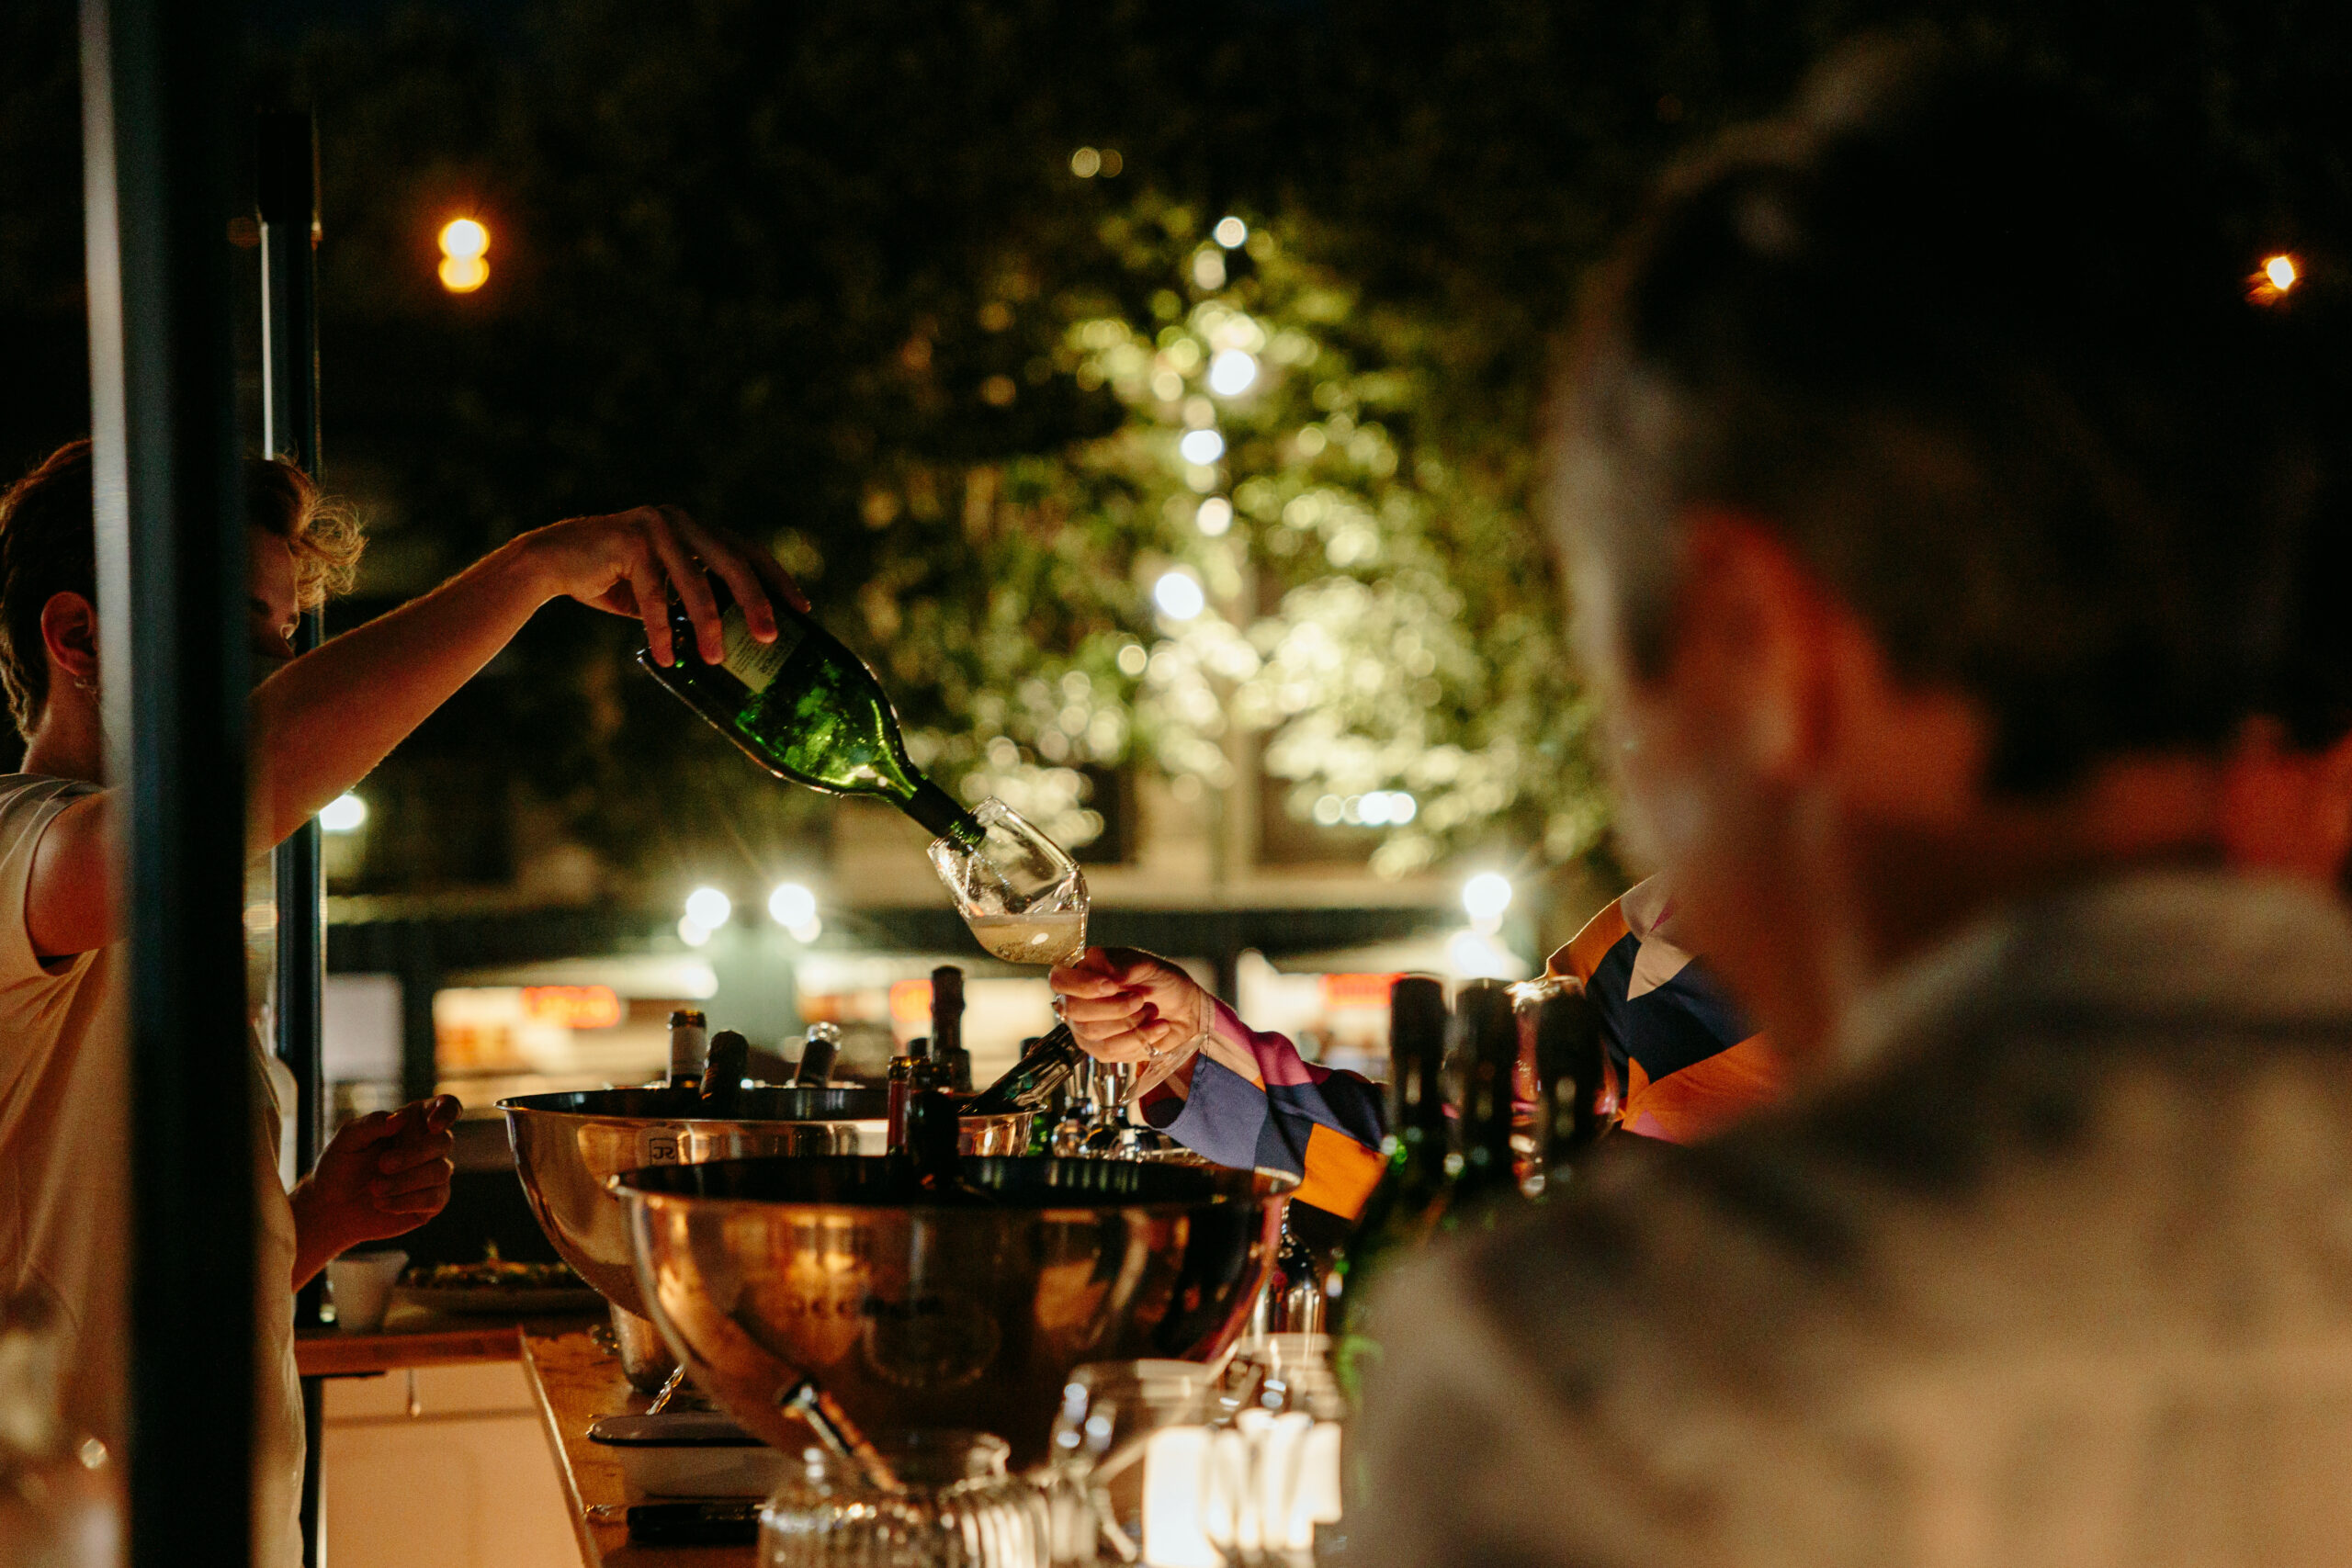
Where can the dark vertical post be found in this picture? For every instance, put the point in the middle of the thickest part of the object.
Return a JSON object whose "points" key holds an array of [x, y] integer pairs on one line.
{"points": [[420, 972], [285, 163], [156, 88]]}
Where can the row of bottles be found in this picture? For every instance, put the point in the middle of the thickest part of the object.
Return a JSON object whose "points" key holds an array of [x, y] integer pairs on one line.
{"points": [[1532, 1082], [716, 1065]]}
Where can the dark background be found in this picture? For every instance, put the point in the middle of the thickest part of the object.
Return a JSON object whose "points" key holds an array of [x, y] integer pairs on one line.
{"points": [[719, 224]]}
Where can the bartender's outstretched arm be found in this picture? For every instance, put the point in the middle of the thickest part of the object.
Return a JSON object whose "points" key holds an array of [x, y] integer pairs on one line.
{"points": [[321, 722]]}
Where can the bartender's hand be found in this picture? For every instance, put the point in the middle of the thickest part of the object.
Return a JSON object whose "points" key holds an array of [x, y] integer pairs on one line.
{"points": [[1125, 1004], [383, 1175], [629, 562]]}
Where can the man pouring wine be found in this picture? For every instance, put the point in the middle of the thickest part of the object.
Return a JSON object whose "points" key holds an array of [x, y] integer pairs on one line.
{"points": [[318, 724]]}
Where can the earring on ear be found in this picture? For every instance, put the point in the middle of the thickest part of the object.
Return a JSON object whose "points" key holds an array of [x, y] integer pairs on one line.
{"points": [[88, 688]]}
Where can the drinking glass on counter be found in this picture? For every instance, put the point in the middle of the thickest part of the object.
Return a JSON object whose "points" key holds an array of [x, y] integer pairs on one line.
{"points": [[1258, 1484], [1094, 1480], [955, 1508]]}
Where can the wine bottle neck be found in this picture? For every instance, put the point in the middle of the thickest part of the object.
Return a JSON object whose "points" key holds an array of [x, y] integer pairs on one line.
{"points": [[938, 811], [1034, 1078]]}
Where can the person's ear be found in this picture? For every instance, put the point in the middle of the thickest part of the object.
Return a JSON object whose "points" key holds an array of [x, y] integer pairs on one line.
{"points": [[1752, 644], [69, 633]]}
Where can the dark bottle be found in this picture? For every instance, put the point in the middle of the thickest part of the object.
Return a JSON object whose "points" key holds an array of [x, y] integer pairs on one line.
{"points": [[1397, 1216], [955, 1063], [688, 1047], [911, 1073], [1487, 1034], [1571, 1080], [722, 1072], [818, 1052], [807, 710], [933, 1133], [1030, 1083]]}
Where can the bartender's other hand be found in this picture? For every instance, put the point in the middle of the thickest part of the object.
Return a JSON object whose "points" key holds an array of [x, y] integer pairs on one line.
{"points": [[630, 562], [383, 1175], [1124, 1004]]}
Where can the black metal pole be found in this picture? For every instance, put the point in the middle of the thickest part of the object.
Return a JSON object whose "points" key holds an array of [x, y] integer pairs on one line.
{"points": [[156, 77], [286, 162], [285, 166]]}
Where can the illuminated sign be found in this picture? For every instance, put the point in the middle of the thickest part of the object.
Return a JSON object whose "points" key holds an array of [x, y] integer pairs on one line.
{"points": [[575, 1007]]}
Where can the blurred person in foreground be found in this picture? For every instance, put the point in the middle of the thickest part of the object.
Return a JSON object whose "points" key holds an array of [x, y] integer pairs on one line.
{"points": [[317, 724], [2288, 801], [1927, 588]]}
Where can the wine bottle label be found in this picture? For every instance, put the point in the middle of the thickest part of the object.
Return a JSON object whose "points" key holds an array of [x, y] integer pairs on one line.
{"points": [[753, 662]]}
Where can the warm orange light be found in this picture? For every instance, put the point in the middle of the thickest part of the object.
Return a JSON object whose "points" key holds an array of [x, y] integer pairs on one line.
{"points": [[464, 242], [1356, 990], [464, 237], [575, 1007], [463, 275], [2281, 272], [911, 1001]]}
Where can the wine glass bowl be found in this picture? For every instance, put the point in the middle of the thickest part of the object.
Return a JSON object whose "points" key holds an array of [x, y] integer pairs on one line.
{"points": [[1022, 896]]}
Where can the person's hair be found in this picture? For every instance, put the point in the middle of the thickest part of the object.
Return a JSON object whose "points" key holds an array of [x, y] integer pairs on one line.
{"points": [[1980, 358], [49, 546]]}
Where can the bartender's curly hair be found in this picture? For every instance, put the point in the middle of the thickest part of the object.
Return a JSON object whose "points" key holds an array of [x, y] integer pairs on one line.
{"points": [[49, 546]]}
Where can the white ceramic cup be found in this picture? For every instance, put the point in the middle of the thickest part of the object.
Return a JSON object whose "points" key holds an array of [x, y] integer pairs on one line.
{"points": [[362, 1285]]}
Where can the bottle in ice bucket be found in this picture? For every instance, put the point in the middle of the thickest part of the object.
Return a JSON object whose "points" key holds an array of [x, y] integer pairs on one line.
{"points": [[688, 1047], [807, 710], [947, 1030], [1397, 1216]]}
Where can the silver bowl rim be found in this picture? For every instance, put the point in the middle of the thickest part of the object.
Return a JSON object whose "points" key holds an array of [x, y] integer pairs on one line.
{"points": [[520, 1105], [1265, 1185]]}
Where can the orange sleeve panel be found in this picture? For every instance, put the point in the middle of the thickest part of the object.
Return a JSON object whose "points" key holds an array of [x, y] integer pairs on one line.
{"points": [[1340, 1173], [1705, 1097], [1589, 946]]}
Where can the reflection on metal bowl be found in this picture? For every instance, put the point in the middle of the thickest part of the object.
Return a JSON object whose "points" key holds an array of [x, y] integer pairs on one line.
{"points": [[568, 1147], [915, 1313]]}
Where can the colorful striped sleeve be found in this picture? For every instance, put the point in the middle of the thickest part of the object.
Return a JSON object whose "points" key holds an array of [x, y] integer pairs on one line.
{"points": [[1248, 1099], [1689, 1061]]}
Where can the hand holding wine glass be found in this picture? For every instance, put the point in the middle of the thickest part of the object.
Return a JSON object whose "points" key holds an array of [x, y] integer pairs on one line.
{"points": [[1125, 1004]]}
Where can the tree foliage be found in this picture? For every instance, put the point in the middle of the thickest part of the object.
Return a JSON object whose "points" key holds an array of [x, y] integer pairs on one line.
{"points": [[785, 264]]}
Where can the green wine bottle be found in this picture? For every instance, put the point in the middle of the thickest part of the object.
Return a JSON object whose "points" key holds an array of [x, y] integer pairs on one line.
{"points": [[1397, 1216], [807, 710], [1571, 1080], [1487, 1182]]}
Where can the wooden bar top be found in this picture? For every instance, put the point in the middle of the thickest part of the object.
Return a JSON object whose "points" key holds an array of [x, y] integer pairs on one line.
{"points": [[576, 1380]]}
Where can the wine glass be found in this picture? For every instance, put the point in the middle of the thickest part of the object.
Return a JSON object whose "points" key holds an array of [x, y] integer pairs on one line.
{"points": [[1026, 901], [1022, 896]]}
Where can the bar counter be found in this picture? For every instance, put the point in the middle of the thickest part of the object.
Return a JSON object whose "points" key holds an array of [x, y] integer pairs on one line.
{"points": [[574, 1380]]}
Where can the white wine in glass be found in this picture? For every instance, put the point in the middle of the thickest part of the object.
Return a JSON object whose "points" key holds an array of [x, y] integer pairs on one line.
{"points": [[1052, 939]]}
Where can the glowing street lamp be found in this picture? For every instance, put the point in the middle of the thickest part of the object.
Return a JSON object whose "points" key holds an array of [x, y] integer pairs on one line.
{"points": [[464, 242], [708, 907], [1485, 897], [2279, 274]]}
